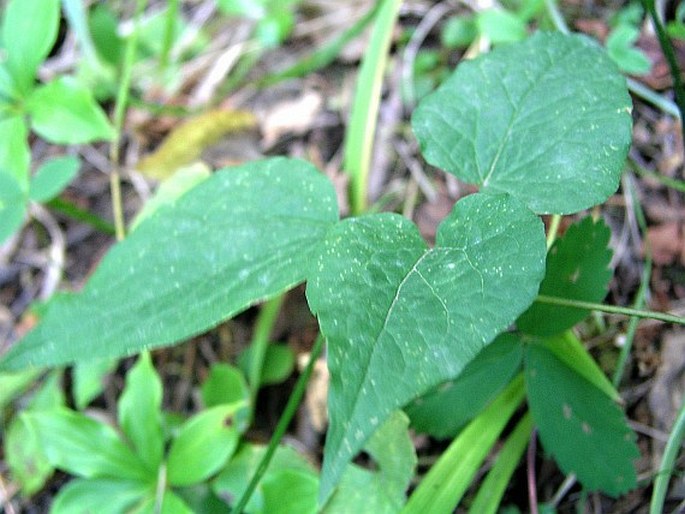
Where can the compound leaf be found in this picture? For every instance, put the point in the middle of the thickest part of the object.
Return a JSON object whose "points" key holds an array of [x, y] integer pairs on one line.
{"points": [[244, 235], [29, 30], [140, 412], [401, 318], [577, 269], [546, 120], [572, 413], [65, 112], [84, 447]]}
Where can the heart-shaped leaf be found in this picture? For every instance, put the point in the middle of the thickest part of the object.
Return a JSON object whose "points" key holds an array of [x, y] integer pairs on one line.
{"points": [[401, 318], [243, 235], [546, 120]]}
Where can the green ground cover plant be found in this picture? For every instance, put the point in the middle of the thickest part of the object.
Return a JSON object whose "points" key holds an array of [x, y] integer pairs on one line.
{"points": [[61, 111], [456, 339]]}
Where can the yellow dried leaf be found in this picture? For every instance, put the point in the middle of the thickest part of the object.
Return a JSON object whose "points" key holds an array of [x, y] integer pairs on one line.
{"points": [[186, 142]]}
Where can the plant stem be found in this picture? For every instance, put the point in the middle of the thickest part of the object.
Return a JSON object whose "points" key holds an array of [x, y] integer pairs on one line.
{"points": [[360, 132], [556, 16], [553, 230], [260, 342], [667, 50], [666, 468], [678, 185], [655, 99], [611, 309], [281, 427], [530, 472], [119, 111]]}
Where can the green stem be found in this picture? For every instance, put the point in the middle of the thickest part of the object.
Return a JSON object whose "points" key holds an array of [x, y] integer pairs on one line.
{"points": [[669, 53], [611, 309], [260, 342], [360, 133], [655, 99], [281, 427], [678, 185], [119, 111], [553, 230], [666, 468], [171, 15], [82, 215], [556, 16]]}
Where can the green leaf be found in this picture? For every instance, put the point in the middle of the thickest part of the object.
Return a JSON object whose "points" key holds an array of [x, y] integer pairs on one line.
{"points": [[14, 384], [27, 462], [620, 47], [500, 26], [491, 490], [13, 203], [203, 445], [103, 25], [14, 151], [201, 499], [171, 504], [443, 412], [226, 384], [401, 318], [570, 350], [64, 112], [50, 394], [546, 120], [577, 269], [244, 235], [139, 412], [52, 177], [289, 491], [8, 90], [29, 30], [234, 478], [579, 425], [458, 32], [85, 447], [101, 495], [171, 189], [382, 491], [279, 362], [247, 8], [89, 380], [445, 484]]}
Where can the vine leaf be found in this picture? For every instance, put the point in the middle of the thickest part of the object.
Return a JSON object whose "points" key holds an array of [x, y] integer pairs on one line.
{"points": [[546, 120], [243, 235], [401, 318]]}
